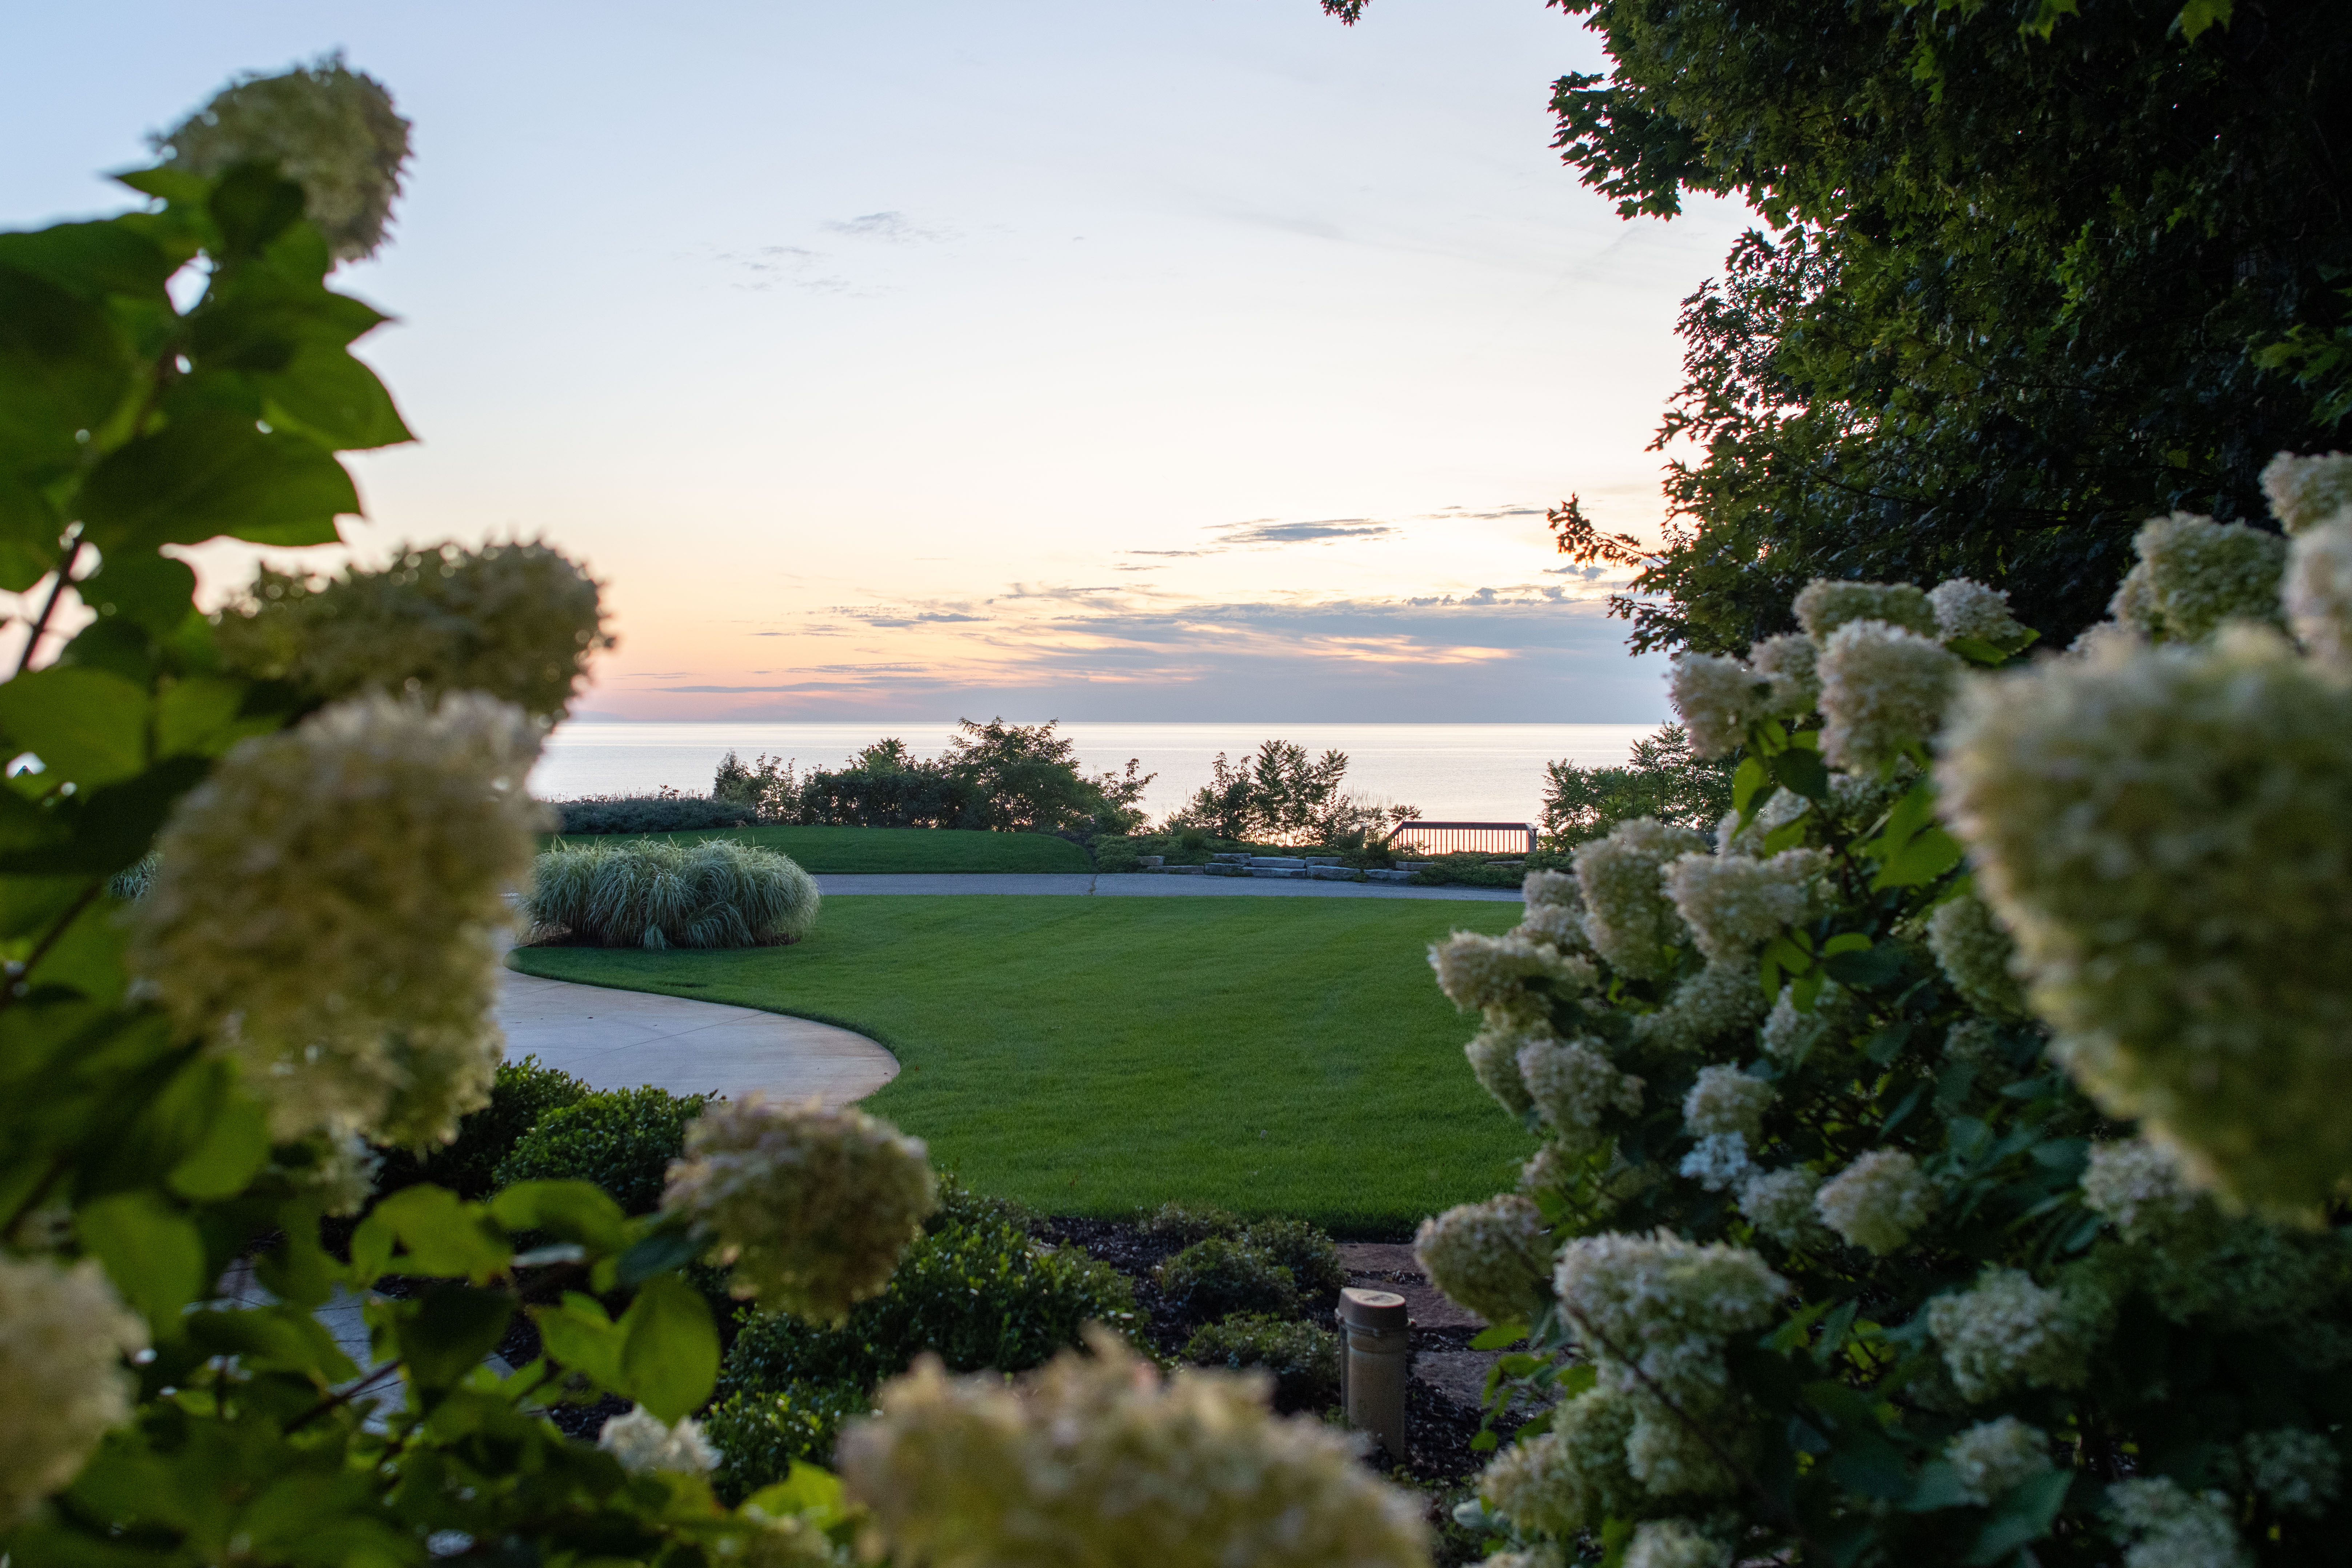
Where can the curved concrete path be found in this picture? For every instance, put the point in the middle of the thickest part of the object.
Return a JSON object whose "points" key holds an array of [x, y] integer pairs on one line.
{"points": [[1141, 885], [619, 1039]]}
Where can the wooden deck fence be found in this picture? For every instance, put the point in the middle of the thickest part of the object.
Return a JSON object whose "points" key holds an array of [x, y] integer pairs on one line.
{"points": [[1465, 837]]}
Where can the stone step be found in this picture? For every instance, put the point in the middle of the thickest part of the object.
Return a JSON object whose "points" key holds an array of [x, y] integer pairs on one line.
{"points": [[1278, 871]]}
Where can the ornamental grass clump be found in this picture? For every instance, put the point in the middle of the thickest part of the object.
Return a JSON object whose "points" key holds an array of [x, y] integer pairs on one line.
{"points": [[1098, 1461], [656, 895]]}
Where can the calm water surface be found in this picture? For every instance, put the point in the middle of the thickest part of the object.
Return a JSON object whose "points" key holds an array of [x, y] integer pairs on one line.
{"points": [[1458, 772]]}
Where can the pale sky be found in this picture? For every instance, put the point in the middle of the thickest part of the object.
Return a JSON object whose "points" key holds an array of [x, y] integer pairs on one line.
{"points": [[1089, 359]]}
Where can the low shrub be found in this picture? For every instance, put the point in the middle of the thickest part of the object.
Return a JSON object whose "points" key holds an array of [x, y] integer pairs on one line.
{"points": [[1219, 1275], [759, 1436], [622, 1139], [1484, 870], [980, 1295], [1188, 1222], [958, 1204], [1302, 1359], [716, 893], [1312, 1257], [522, 1093], [650, 814]]}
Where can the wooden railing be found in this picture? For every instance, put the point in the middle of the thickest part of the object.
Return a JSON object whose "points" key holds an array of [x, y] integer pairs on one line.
{"points": [[1465, 837]]}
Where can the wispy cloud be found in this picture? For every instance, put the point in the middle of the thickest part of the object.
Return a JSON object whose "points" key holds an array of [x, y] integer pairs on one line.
{"points": [[890, 227], [1243, 533]]}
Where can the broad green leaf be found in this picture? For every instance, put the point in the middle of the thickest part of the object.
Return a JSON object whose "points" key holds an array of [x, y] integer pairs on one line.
{"points": [[31, 533], [1859, 971], [269, 1339], [450, 1331], [62, 370], [84, 724], [1977, 651], [332, 398], [578, 1334], [443, 1237], [234, 1147], [1846, 941], [199, 716], [1925, 856], [116, 824], [2200, 14], [210, 474], [1501, 1336], [2021, 1517], [805, 1492], [91, 260], [1939, 1487], [666, 1247], [579, 1212], [298, 1270], [1746, 782], [253, 204], [1801, 770], [669, 1351], [151, 591], [154, 1253], [88, 958]]}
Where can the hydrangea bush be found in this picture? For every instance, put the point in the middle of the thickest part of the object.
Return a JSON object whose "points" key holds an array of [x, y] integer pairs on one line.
{"points": [[252, 869], [1944, 1164]]}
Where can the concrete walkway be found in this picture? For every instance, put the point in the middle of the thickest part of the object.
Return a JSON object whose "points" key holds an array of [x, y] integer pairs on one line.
{"points": [[619, 1039], [1141, 885]]}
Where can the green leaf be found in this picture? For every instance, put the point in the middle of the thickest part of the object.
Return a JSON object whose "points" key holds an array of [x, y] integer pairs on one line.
{"points": [[1846, 941], [269, 1339], [1940, 1486], [332, 398], [443, 1237], [1745, 784], [1859, 971], [1502, 1336], [154, 1253], [201, 716], [235, 1146], [253, 204], [2021, 1517], [1800, 769], [669, 1351], [578, 1211], [62, 370], [117, 823], [667, 1247], [2200, 14], [577, 1333], [450, 1332], [806, 1492], [84, 724], [1977, 651], [151, 591], [211, 473], [1921, 860]]}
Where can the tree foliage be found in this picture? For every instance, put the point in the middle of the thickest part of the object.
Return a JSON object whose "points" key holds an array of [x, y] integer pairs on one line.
{"points": [[1661, 779], [2029, 273]]}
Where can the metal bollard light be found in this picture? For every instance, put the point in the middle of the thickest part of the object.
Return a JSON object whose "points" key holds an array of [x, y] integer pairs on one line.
{"points": [[1376, 1336]]}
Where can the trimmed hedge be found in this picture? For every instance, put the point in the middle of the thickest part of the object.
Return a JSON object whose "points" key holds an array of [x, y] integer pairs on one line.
{"points": [[1304, 1360], [656, 894], [650, 814], [622, 1139], [1221, 1276], [759, 1436], [522, 1093], [979, 1295], [1312, 1257]]}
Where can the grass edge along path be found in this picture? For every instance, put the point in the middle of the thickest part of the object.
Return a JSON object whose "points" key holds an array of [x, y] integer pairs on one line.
{"points": [[854, 851], [1090, 1056]]}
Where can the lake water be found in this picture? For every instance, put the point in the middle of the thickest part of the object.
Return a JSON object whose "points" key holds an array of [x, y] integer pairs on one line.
{"points": [[1485, 772]]}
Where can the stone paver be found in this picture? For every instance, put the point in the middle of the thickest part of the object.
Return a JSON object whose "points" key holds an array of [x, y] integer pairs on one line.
{"points": [[619, 1039], [1137, 884]]}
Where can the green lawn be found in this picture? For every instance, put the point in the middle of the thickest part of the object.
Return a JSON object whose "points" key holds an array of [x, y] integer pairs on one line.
{"points": [[1088, 1056], [847, 850]]}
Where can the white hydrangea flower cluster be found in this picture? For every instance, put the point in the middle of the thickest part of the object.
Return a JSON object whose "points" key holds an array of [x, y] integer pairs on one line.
{"points": [[1673, 1543], [323, 907], [1628, 918], [1976, 954], [2306, 493], [1494, 1057], [1553, 925], [2163, 1525], [1790, 1036], [1476, 970], [1661, 1305], [1780, 1205], [2300, 1472], [1717, 1001], [329, 128], [1716, 698], [2195, 574], [1576, 1087], [2135, 1186], [1992, 1458], [2006, 1329], [1718, 1161], [1966, 608], [1780, 807], [1876, 1201], [1099, 1461], [1734, 904], [63, 1335], [2168, 833], [1826, 604], [2317, 595], [1789, 664], [1558, 889], [645, 1445], [1490, 1258], [1726, 1100], [518, 621], [811, 1207], [1884, 690], [1573, 1476]]}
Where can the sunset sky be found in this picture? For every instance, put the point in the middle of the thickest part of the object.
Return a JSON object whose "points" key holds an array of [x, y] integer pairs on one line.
{"points": [[1086, 359]]}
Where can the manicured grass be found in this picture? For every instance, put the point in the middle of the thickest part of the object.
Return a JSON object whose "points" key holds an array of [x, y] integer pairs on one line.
{"points": [[847, 850], [1089, 1056]]}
